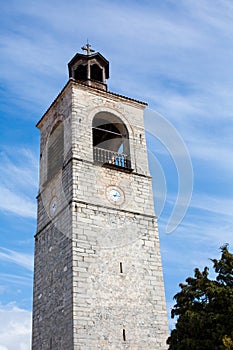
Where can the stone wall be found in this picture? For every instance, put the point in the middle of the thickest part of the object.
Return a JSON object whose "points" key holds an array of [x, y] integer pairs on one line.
{"points": [[119, 284], [98, 280]]}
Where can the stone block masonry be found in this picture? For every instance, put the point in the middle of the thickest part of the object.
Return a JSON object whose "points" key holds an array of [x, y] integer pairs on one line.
{"points": [[98, 280]]}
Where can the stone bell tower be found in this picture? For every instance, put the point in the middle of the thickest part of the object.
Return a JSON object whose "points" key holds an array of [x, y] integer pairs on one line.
{"points": [[98, 280]]}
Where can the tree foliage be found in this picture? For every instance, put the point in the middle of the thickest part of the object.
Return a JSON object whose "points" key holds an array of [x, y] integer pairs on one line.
{"points": [[204, 309]]}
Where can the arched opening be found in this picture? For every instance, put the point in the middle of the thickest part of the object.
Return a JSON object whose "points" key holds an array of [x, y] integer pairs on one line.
{"points": [[96, 73], [55, 153], [110, 141], [81, 73]]}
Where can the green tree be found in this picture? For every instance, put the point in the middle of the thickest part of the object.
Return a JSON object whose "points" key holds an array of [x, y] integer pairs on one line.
{"points": [[204, 309]]}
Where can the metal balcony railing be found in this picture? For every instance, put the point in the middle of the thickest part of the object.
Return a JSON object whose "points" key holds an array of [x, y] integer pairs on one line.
{"points": [[108, 157]]}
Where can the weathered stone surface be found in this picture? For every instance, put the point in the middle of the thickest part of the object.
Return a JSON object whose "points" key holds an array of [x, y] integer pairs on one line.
{"points": [[98, 280]]}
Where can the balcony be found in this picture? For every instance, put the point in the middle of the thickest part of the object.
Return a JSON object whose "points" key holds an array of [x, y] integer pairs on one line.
{"points": [[112, 159]]}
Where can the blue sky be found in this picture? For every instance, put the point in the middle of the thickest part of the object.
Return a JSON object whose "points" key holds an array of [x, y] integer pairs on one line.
{"points": [[175, 55]]}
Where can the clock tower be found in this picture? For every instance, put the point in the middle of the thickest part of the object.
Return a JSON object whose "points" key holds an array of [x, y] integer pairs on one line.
{"points": [[98, 280]]}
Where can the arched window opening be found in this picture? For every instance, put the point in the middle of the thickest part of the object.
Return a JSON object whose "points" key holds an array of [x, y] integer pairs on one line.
{"points": [[55, 153], [110, 141], [96, 73], [81, 73]]}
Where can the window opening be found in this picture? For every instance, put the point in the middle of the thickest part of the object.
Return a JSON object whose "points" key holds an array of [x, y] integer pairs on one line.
{"points": [[96, 73], [81, 73], [110, 141], [121, 267], [55, 150], [124, 335]]}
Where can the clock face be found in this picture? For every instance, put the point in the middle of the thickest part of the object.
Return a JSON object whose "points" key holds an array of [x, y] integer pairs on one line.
{"points": [[53, 207], [115, 195]]}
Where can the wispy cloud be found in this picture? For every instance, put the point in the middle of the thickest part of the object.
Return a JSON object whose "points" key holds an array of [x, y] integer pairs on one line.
{"points": [[207, 203], [11, 279], [18, 182], [187, 56], [19, 168], [21, 259], [216, 205], [17, 204], [179, 61], [2, 288]]}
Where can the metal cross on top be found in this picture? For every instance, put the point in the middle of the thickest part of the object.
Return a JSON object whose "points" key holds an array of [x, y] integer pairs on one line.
{"points": [[88, 48]]}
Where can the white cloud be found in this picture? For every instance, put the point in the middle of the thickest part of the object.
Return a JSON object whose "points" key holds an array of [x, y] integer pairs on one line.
{"points": [[181, 52], [21, 280], [15, 328], [21, 259], [19, 171], [19, 168], [214, 204], [17, 204], [180, 61], [171, 321], [2, 289], [218, 154]]}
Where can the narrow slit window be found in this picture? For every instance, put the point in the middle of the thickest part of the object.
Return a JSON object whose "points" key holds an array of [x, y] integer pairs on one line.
{"points": [[124, 335], [55, 150], [121, 267]]}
